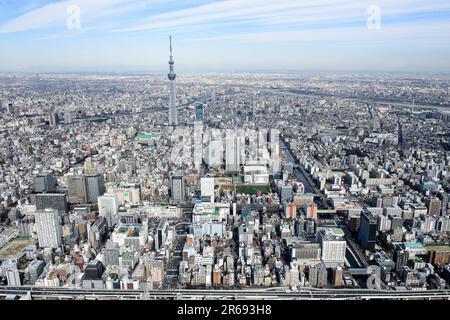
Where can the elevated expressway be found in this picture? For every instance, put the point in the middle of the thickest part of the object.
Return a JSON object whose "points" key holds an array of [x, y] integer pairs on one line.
{"points": [[233, 294]]}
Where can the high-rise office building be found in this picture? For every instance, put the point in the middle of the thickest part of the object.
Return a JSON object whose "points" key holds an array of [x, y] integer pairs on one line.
{"points": [[401, 258], [286, 193], [443, 196], [333, 246], [337, 277], [108, 207], [44, 182], [48, 225], [312, 276], [368, 230], [97, 232], [95, 187], [161, 233], [68, 117], [111, 253], [10, 108], [214, 154], [354, 223], [9, 268], [53, 119], [433, 205], [322, 276], [318, 276], [311, 211], [173, 113], [77, 188], [207, 188], [439, 257], [291, 211], [56, 201], [34, 270], [200, 113], [177, 188], [232, 152], [253, 113]]}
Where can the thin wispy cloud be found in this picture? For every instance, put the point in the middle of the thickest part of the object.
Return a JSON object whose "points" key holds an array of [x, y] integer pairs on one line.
{"points": [[55, 14], [425, 32], [284, 12], [226, 32], [256, 13]]}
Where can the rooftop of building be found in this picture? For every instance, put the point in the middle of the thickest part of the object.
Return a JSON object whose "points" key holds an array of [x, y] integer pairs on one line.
{"points": [[336, 232], [413, 245], [132, 230], [141, 137], [438, 247]]}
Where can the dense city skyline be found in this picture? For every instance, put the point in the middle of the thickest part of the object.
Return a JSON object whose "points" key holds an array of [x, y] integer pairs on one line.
{"points": [[244, 35], [280, 185]]}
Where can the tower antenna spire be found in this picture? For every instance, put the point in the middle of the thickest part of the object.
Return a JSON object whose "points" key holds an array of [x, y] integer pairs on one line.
{"points": [[173, 117]]}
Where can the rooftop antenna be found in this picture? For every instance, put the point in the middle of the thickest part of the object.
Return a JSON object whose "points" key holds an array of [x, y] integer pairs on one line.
{"points": [[171, 62], [170, 39]]}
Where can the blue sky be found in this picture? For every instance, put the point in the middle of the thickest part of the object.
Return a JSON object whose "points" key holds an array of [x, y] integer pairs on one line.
{"points": [[328, 35]]}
